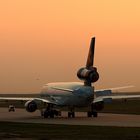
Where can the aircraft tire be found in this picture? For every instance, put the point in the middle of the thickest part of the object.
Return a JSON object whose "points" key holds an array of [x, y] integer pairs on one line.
{"points": [[51, 113], [46, 114], [95, 114], [71, 114], [42, 113], [89, 114]]}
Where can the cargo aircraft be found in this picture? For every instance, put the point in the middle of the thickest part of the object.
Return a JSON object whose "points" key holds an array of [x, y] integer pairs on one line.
{"points": [[69, 96]]}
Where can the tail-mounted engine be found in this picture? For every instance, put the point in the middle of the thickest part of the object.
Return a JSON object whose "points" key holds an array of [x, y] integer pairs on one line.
{"points": [[89, 75]]}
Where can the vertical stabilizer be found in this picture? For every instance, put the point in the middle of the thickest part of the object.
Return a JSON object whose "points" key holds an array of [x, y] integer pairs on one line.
{"points": [[90, 59]]}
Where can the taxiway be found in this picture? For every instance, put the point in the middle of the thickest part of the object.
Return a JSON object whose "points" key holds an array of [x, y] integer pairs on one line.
{"points": [[104, 119]]}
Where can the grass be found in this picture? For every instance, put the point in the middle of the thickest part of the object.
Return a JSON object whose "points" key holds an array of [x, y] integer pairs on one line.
{"points": [[9, 130], [66, 132]]}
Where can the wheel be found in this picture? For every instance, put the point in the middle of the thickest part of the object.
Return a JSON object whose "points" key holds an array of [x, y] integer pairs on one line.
{"points": [[51, 112], [89, 114], [69, 114], [46, 114], [57, 113], [95, 114], [73, 114], [42, 113]]}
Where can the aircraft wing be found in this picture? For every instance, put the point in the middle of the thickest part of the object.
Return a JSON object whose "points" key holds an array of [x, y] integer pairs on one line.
{"points": [[19, 102], [108, 91], [106, 95], [6, 99], [110, 98]]}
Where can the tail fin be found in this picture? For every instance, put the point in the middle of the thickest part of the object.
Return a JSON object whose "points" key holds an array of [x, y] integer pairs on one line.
{"points": [[90, 59], [89, 73]]}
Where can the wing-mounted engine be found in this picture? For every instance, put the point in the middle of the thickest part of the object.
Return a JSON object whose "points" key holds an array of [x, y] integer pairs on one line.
{"points": [[31, 106], [89, 73]]}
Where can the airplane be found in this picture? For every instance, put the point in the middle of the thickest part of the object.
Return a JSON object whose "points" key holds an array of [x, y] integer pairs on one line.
{"points": [[70, 96]]}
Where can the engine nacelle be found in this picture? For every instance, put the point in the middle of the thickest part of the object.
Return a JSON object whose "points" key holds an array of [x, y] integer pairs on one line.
{"points": [[31, 106], [98, 106], [91, 75]]}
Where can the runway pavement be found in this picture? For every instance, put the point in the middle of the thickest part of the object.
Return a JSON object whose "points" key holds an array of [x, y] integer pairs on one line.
{"points": [[104, 119]]}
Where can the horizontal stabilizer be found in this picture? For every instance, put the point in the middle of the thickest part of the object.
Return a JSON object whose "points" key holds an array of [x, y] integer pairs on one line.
{"points": [[116, 88], [62, 89]]}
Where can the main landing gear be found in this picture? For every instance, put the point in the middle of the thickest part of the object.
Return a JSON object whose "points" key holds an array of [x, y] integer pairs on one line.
{"points": [[92, 114], [71, 113], [49, 112]]}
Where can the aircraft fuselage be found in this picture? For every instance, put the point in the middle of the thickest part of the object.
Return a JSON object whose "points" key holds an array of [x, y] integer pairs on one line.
{"points": [[79, 96]]}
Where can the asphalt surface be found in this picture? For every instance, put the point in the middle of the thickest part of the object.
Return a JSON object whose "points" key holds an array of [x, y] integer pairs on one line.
{"points": [[103, 119]]}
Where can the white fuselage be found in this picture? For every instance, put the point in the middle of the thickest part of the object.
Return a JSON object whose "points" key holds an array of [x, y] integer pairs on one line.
{"points": [[71, 94]]}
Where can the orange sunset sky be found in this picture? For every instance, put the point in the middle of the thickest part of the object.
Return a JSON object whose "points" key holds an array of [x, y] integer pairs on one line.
{"points": [[48, 41]]}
